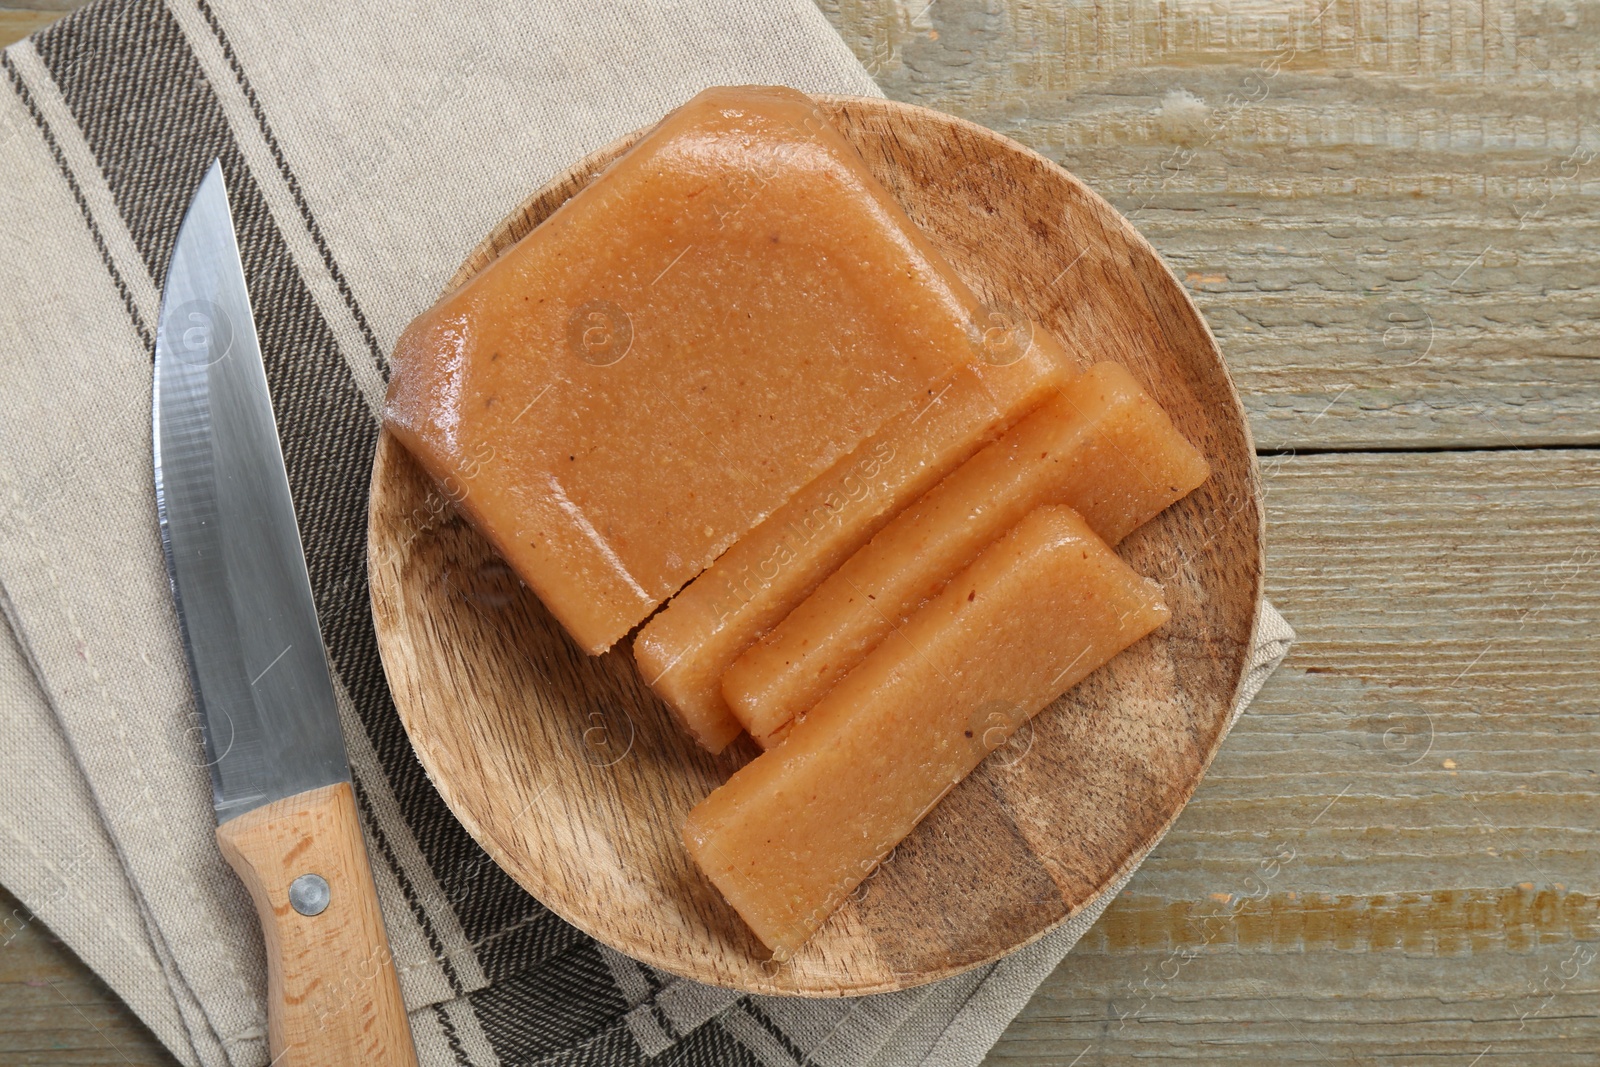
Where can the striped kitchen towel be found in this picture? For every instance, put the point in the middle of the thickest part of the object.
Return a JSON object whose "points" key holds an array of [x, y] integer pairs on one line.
{"points": [[367, 148]]}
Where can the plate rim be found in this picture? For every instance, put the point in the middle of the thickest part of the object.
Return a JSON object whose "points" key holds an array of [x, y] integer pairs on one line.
{"points": [[507, 232]]}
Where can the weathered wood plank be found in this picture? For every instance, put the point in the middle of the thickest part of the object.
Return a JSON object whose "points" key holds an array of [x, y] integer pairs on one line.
{"points": [[18, 18], [15, 25], [1393, 856], [1386, 210], [1332, 232], [53, 1010]]}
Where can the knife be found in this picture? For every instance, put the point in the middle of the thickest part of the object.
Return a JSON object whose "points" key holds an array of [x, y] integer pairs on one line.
{"points": [[286, 811]]}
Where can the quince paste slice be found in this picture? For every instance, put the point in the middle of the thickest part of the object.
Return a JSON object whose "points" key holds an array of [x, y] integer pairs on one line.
{"points": [[794, 831], [726, 311], [686, 648], [1101, 445]]}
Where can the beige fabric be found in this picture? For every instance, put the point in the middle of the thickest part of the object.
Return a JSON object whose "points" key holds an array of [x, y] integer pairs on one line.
{"points": [[84, 589], [55, 857], [106, 827], [79, 549], [543, 88]]}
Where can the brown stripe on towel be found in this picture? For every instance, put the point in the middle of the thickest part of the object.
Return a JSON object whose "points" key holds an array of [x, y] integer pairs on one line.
{"points": [[145, 330], [154, 124], [293, 183]]}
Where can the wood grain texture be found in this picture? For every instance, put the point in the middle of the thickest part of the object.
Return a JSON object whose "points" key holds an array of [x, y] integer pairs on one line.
{"points": [[333, 996], [19, 18], [1392, 860], [1470, 151], [54, 1011], [575, 779], [1388, 210], [1395, 247], [15, 25]]}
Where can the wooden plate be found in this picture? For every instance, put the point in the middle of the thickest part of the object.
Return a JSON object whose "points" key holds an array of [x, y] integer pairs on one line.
{"points": [[573, 776]]}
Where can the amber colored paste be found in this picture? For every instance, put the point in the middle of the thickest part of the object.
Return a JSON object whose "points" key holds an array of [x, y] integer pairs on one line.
{"points": [[729, 309], [684, 651], [790, 834], [1101, 446]]}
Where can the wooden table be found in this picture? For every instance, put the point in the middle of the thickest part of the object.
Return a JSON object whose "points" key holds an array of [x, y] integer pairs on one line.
{"points": [[1388, 213]]}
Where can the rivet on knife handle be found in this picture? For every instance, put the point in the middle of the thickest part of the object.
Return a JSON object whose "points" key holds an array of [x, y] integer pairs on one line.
{"points": [[333, 997]]}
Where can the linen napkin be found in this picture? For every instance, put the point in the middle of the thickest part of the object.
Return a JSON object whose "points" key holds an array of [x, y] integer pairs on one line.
{"points": [[367, 148]]}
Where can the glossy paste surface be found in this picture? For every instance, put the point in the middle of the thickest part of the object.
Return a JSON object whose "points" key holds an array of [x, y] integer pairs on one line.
{"points": [[790, 834], [684, 651], [1101, 446], [725, 312]]}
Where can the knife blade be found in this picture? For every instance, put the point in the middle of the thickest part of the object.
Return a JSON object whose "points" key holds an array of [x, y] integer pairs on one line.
{"points": [[287, 820]]}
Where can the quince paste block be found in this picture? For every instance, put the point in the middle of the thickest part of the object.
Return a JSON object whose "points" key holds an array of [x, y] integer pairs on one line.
{"points": [[1101, 446], [684, 651], [729, 308], [794, 831]]}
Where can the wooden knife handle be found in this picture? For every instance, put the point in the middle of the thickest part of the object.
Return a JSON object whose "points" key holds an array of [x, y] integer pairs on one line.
{"points": [[333, 997]]}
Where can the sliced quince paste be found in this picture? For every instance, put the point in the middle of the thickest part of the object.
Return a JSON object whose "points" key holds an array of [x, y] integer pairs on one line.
{"points": [[1101, 446], [726, 311], [684, 651], [794, 831]]}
